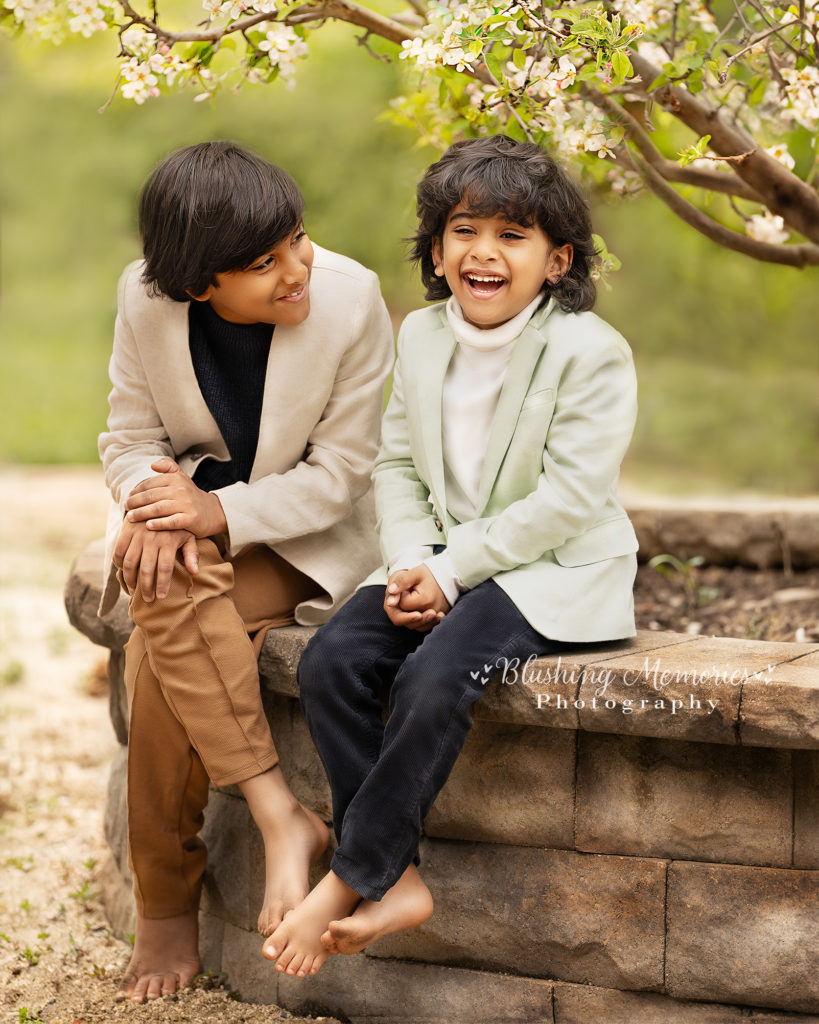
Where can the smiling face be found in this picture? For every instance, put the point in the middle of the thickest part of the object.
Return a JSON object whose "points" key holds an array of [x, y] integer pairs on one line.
{"points": [[274, 289], [494, 267]]}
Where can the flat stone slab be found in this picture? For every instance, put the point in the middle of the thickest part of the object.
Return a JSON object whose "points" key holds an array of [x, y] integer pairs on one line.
{"points": [[784, 712], [656, 684], [646, 797], [544, 913], [743, 934]]}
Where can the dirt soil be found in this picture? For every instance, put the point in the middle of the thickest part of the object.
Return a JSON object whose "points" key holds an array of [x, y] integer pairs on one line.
{"points": [[58, 960], [59, 963]]}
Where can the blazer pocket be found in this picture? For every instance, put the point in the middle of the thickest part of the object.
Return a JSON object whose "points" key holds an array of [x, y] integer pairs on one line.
{"points": [[537, 399], [609, 539]]}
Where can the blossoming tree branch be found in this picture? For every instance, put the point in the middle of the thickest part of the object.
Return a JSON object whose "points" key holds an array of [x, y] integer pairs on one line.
{"points": [[712, 106]]}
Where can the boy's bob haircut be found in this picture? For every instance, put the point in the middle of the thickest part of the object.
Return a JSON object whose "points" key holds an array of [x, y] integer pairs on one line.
{"points": [[495, 175], [208, 209]]}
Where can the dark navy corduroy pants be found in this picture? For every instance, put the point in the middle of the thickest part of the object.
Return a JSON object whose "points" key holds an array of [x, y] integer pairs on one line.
{"points": [[384, 778]]}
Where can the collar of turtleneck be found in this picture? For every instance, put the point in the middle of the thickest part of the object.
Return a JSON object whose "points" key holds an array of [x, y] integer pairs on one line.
{"points": [[488, 339]]}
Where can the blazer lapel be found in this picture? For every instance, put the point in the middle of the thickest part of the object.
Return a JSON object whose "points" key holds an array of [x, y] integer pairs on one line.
{"points": [[526, 353], [168, 348], [435, 356]]}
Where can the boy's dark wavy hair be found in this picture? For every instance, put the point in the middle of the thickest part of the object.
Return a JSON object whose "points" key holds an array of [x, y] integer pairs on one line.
{"points": [[494, 175], [208, 209]]}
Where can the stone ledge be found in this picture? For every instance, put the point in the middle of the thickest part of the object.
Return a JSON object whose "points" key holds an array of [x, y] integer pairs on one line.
{"points": [[759, 534], [658, 684]]}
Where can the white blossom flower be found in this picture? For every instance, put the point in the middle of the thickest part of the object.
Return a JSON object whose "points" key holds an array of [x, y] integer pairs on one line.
{"points": [[139, 81], [137, 42], [87, 17], [283, 48], [766, 227], [780, 152]]}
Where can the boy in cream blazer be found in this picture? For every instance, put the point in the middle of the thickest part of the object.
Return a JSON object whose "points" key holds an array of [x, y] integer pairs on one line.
{"points": [[247, 376], [500, 531]]}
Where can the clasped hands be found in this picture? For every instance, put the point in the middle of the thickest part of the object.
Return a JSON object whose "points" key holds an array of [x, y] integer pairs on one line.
{"points": [[414, 599], [164, 514]]}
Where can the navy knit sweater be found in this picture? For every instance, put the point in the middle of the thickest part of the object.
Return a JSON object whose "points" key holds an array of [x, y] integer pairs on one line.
{"points": [[230, 361]]}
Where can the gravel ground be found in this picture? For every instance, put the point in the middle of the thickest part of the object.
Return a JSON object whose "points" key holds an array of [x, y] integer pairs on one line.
{"points": [[58, 961]]}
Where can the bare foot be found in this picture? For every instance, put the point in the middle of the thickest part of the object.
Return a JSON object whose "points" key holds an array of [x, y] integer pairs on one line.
{"points": [[165, 957], [296, 944], [406, 905], [294, 838]]}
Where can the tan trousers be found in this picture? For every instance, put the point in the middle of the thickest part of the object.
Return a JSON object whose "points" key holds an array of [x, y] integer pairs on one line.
{"points": [[195, 709]]}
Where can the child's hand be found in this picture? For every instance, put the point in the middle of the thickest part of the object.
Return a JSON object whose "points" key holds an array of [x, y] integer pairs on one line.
{"points": [[172, 501], [414, 599], [148, 558]]}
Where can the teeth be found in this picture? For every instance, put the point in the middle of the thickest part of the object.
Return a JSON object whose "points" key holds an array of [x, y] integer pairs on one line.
{"points": [[485, 277]]}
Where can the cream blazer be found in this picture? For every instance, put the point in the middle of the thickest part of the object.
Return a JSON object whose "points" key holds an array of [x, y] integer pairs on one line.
{"points": [[309, 495], [549, 529]]}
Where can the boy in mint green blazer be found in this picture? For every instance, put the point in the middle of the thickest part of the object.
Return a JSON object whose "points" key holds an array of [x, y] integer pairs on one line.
{"points": [[502, 538]]}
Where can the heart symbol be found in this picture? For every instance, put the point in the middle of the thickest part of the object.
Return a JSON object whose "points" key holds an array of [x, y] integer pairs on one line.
{"points": [[474, 674], [484, 680], [487, 668]]}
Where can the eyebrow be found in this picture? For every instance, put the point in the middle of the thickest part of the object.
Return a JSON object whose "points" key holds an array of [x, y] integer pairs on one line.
{"points": [[466, 215]]}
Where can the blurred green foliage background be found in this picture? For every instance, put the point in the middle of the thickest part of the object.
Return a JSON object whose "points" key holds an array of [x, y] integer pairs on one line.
{"points": [[726, 348]]}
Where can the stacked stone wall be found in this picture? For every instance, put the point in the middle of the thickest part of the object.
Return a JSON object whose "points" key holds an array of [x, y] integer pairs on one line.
{"points": [[598, 858]]}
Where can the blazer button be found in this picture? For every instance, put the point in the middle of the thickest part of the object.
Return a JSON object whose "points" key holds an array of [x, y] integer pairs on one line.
{"points": [[438, 526]]}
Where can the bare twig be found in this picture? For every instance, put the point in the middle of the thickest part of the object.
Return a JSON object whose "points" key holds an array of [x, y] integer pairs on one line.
{"points": [[789, 255]]}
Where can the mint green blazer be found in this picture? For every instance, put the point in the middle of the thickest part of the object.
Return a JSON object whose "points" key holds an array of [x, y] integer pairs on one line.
{"points": [[549, 529]]}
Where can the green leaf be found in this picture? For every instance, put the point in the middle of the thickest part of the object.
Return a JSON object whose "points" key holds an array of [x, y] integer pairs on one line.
{"points": [[494, 66], [621, 65], [519, 59], [586, 72]]}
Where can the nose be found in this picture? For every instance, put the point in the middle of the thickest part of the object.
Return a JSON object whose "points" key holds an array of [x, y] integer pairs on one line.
{"points": [[484, 248], [295, 269]]}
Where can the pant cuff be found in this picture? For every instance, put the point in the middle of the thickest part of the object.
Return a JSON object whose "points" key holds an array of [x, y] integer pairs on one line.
{"points": [[250, 771], [353, 875]]}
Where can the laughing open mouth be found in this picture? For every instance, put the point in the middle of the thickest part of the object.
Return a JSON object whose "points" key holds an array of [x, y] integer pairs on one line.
{"points": [[484, 284]]}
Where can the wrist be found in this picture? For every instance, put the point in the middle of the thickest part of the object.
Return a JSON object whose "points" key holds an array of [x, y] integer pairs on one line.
{"points": [[217, 523]]}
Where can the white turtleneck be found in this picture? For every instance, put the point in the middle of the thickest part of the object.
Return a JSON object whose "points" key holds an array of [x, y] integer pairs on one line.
{"points": [[472, 387]]}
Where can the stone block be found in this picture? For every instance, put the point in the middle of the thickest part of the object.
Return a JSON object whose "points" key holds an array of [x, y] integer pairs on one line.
{"points": [[697, 801], [211, 942], [783, 710], [300, 763], [757, 534], [806, 809], [743, 935], [232, 880], [117, 898], [115, 822], [542, 913], [280, 657], [667, 693], [584, 1004], [82, 597], [512, 784], [117, 696], [364, 990]]}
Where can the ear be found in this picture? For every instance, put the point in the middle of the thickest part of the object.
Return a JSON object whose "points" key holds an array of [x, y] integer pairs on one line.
{"points": [[206, 294], [559, 262], [438, 257]]}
